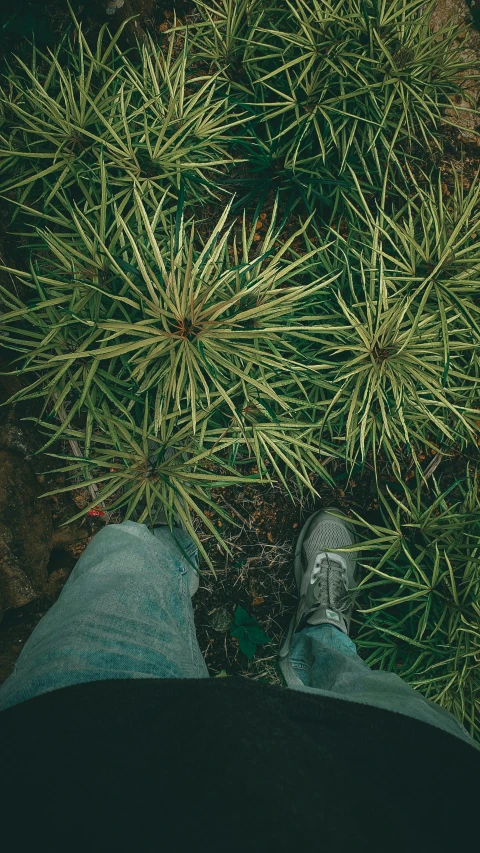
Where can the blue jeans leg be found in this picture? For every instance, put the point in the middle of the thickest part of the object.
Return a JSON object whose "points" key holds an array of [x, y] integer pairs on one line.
{"points": [[323, 660], [125, 612]]}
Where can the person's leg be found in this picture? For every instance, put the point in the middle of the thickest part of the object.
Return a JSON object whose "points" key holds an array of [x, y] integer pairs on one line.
{"points": [[125, 612], [317, 654], [324, 660]]}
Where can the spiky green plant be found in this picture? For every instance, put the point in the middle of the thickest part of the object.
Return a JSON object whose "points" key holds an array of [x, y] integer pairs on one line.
{"points": [[265, 166], [430, 245], [403, 351], [374, 354], [59, 314], [208, 330], [173, 128], [165, 474], [206, 320], [390, 369], [75, 112], [223, 37], [283, 448], [418, 606], [331, 88], [55, 113], [342, 66]]}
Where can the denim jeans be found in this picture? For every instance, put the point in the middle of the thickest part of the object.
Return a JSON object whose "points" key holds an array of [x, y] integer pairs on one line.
{"points": [[126, 612]]}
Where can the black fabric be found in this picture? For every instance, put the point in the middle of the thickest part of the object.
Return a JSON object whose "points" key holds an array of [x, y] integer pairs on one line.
{"points": [[228, 765]]}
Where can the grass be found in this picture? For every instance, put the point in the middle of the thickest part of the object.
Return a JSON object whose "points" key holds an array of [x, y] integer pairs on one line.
{"points": [[76, 113], [152, 473], [243, 272], [421, 595], [332, 91], [407, 345]]}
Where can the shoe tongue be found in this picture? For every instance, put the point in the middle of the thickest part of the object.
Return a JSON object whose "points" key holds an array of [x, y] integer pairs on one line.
{"points": [[318, 559], [331, 568]]}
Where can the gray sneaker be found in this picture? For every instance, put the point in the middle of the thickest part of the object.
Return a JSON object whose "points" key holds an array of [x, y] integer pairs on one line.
{"points": [[323, 578]]}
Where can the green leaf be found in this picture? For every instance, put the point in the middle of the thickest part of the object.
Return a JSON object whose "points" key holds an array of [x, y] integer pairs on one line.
{"points": [[247, 647], [241, 616], [257, 635]]}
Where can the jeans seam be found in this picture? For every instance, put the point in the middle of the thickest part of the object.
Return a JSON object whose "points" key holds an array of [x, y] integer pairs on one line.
{"points": [[195, 652]]}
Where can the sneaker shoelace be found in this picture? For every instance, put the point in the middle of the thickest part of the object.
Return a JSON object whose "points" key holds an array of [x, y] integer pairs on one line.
{"points": [[330, 583]]}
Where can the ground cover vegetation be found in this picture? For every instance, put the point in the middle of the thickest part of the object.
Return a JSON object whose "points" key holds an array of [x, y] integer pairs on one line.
{"points": [[240, 266]]}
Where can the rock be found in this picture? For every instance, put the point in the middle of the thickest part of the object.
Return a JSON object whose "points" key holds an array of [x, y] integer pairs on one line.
{"points": [[14, 438], [135, 12], [25, 533], [73, 534], [221, 620]]}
